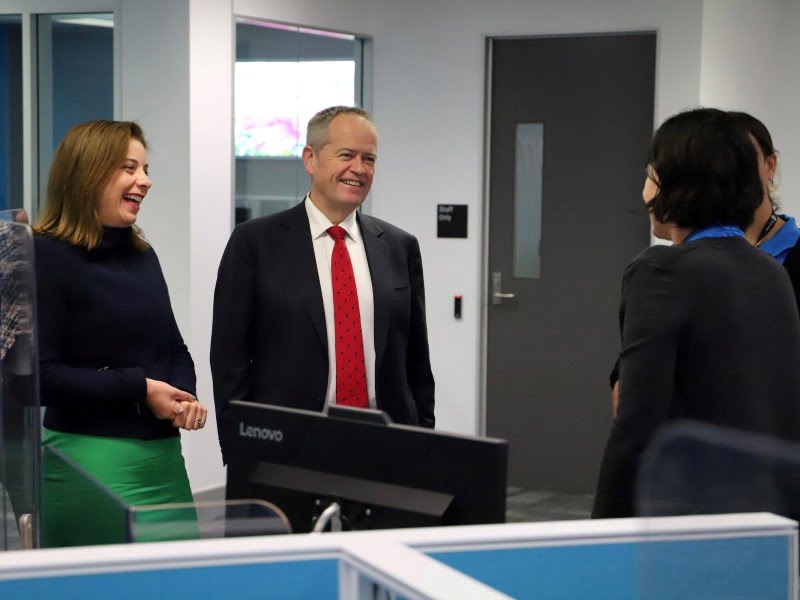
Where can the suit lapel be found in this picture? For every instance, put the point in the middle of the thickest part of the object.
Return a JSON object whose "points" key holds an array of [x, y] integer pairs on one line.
{"points": [[380, 271], [304, 264]]}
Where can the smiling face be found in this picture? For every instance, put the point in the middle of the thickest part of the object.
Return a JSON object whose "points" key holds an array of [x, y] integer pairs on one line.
{"points": [[342, 170], [120, 199]]}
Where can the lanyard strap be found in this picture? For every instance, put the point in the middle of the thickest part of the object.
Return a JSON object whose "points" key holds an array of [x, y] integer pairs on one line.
{"points": [[768, 226]]}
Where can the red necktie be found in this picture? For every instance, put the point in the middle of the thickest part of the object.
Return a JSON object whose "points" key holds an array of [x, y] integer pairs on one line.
{"points": [[351, 374]]}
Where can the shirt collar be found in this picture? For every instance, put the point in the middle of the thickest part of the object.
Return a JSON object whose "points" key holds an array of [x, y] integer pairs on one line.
{"points": [[784, 239], [320, 223], [716, 230]]}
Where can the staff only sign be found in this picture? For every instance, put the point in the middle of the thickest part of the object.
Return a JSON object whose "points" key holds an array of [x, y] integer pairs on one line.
{"points": [[451, 220]]}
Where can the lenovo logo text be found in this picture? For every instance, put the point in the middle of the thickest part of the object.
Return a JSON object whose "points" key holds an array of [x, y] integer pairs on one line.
{"points": [[260, 433]]}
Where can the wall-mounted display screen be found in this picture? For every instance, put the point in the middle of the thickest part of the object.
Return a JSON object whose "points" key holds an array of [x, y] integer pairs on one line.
{"points": [[274, 101]]}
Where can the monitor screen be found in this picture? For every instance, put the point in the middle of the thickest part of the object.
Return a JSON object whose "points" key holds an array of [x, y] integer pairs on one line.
{"points": [[273, 102], [382, 475]]}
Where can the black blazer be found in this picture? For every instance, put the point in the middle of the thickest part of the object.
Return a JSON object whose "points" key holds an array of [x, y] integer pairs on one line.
{"points": [[710, 332], [269, 342]]}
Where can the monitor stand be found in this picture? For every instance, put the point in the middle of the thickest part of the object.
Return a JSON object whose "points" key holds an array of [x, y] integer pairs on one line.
{"points": [[333, 515]]}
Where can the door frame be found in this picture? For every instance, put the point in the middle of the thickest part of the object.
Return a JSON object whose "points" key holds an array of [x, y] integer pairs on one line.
{"points": [[483, 336]]}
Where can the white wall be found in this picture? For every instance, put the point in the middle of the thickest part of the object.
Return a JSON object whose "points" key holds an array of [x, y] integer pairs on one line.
{"points": [[155, 93], [787, 82], [750, 52], [211, 216], [428, 103]]}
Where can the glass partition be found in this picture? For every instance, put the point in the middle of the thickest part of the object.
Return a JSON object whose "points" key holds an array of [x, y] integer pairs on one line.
{"points": [[19, 399], [87, 515], [283, 76], [701, 469], [205, 520], [698, 468], [92, 514]]}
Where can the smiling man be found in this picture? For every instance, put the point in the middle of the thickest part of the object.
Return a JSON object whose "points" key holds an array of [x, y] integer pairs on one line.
{"points": [[320, 304]]}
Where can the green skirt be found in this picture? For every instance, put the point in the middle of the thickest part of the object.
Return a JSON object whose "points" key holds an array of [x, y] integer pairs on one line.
{"points": [[90, 484]]}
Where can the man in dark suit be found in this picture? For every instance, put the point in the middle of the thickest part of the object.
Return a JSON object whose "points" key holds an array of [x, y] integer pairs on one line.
{"points": [[320, 304]]}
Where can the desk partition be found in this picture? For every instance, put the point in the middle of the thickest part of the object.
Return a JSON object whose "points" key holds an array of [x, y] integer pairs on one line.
{"points": [[713, 556], [717, 556]]}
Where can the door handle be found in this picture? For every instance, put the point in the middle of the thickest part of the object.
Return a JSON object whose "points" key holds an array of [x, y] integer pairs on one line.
{"points": [[497, 290]]}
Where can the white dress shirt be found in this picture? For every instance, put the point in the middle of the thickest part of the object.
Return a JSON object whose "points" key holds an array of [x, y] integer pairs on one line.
{"points": [[323, 252]]}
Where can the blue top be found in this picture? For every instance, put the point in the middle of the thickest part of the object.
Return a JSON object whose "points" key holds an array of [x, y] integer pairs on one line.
{"points": [[784, 239], [714, 231]]}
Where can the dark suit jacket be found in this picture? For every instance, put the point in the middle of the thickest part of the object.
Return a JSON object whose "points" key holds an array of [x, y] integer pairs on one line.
{"points": [[710, 332], [269, 342]]}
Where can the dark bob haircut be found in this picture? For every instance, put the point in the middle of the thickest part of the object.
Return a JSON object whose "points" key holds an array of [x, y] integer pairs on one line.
{"points": [[707, 171], [757, 129]]}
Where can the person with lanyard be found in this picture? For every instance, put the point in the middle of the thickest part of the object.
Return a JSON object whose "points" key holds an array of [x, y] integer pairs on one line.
{"points": [[776, 234], [709, 326]]}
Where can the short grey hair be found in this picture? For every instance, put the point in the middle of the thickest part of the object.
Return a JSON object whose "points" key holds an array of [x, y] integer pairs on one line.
{"points": [[317, 131]]}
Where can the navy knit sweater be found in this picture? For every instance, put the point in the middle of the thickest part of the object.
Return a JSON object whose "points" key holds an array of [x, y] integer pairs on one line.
{"points": [[105, 324]]}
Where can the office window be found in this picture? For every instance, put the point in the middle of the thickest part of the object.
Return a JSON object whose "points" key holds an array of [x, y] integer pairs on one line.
{"points": [[75, 78], [283, 76], [274, 99], [528, 200]]}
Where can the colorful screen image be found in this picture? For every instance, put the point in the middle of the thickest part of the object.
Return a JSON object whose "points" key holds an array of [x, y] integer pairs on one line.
{"points": [[274, 101]]}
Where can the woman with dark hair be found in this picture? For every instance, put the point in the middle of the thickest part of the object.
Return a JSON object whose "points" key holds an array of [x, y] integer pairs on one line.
{"points": [[774, 233], [710, 328], [116, 378]]}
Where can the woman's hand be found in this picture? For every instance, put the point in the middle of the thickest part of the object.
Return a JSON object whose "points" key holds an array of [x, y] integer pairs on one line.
{"points": [[192, 416], [165, 401], [168, 402]]}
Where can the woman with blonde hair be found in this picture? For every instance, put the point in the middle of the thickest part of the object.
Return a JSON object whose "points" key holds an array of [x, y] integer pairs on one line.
{"points": [[116, 377]]}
